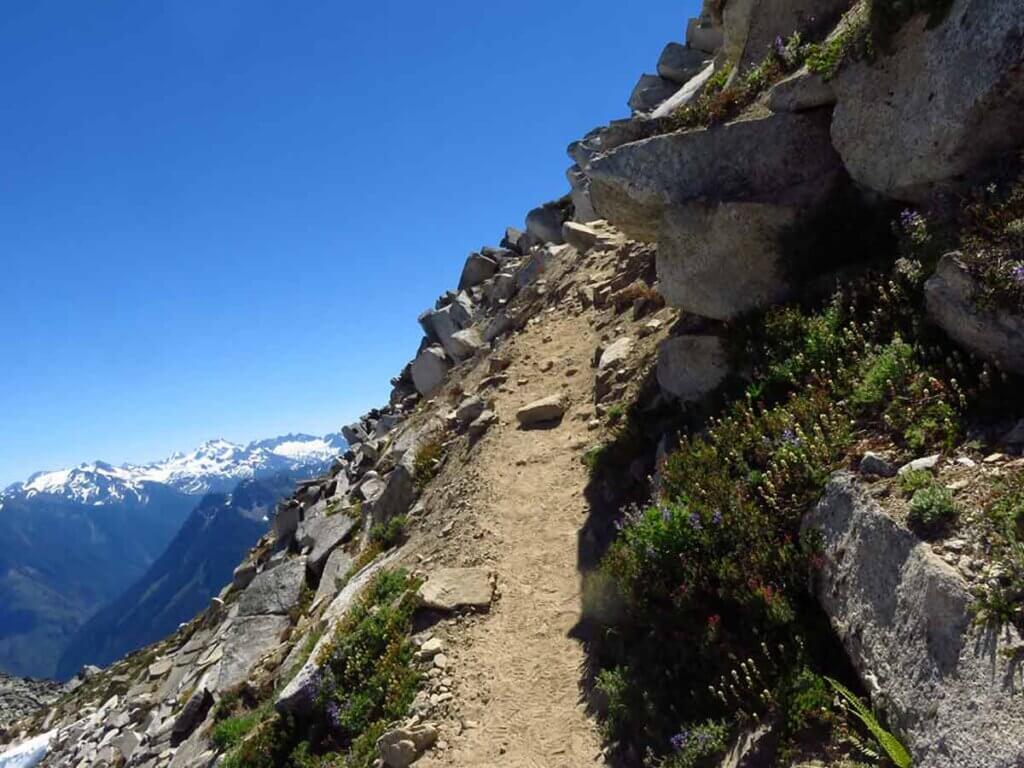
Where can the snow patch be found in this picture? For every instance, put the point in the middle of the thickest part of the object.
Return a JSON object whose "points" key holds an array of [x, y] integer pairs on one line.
{"points": [[27, 754]]}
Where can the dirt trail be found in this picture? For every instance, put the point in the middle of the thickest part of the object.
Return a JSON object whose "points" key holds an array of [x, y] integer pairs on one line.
{"points": [[518, 670]]}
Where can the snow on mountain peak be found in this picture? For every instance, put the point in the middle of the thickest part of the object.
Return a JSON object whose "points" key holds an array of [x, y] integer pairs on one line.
{"points": [[215, 465]]}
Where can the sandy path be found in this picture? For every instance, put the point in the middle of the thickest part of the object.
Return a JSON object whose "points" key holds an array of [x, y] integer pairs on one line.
{"points": [[519, 671]]}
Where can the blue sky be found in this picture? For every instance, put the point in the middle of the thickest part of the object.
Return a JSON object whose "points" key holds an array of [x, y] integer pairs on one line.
{"points": [[221, 218]]}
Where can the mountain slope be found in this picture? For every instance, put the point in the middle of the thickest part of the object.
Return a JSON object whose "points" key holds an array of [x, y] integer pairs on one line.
{"points": [[73, 540], [193, 568]]}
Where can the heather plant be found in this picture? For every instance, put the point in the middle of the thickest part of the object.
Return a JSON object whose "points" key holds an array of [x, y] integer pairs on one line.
{"points": [[716, 567]]}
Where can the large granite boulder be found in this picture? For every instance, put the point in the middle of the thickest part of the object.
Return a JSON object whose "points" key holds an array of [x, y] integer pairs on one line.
{"points": [[579, 185], [722, 260], [545, 223], [952, 300], [937, 103], [274, 591], [751, 26], [650, 91], [477, 269], [429, 370], [397, 496], [247, 640], [690, 367], [679, 63], [782, 159], [904, 617], [323, 536]]}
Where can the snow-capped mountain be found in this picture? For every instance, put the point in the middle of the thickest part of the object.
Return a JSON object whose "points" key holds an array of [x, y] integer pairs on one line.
{"points": [[216, 465]]}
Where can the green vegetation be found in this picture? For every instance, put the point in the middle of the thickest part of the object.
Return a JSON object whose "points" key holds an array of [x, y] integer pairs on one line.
{"points": [[993, 243], [1001, 601], [429, 457], [389, 534], [853, 41], [915, 480], [887, 744], [367, 680], [716, 570], [932, 510]]}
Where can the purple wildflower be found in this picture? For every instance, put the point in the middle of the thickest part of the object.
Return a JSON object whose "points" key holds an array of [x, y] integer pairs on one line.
{"points": [[717, 517], [666, 514], [779, 46], [1017, 273], [695, 521], [679, 740], [333, 714], [790, 437]]}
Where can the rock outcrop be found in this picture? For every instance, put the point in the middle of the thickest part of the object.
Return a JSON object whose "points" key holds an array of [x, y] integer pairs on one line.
{"points": [[904, 618]]}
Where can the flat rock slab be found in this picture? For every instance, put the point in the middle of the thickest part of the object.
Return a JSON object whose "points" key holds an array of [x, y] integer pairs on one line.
{"points": [[545, 411], [324, 535], [246, 642], [452, 589], [337, 566], [275, 591]]}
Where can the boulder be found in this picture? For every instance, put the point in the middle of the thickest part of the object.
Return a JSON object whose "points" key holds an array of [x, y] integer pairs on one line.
{"points": [[299, 696], [247, 640], [651, 91], [939, 102], [545, 223], [396, 498], [286, 520], [191, 715], [702, 35], [429, 370], [615, 354], [904, 617], [720, 261], [338, 564], [274, 591], [873, 464], [465, 343], [951, 295], [690, 91], [324, 535], [452, 589], [751, 26], [482, 423], [442, 324], [801, 91], [679, 63], [501, 288], [782, 159], [690, 367], [547, 410], [243, 575], [399, 747], [497, 326], [511, 239], [469, 409], [476, 269], [579, 184], [353, 433], [580, 236]]}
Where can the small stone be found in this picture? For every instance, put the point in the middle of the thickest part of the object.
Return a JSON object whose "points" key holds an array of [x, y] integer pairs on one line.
{"points": [[926, 462], [876, 464], [441, 661], [994, 458]]}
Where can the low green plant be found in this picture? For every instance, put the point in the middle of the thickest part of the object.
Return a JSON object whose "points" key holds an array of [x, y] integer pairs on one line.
{"points": [[390, 533], [853, 41], [932, 509], [914, 480], [1001, 600], [885, 743], [230, 731], [427, 461]]}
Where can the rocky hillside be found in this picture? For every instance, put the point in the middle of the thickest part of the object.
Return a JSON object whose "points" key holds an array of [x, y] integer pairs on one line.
{"points": [[716, 463], [73, 540]]}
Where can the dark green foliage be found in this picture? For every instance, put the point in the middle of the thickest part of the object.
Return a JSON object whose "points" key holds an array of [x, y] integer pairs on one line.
{"points": [[932, 510], [428, 459], [853, 42], [391, 533], [993, 243], [698, 746], [888, 745], [230, 731]]}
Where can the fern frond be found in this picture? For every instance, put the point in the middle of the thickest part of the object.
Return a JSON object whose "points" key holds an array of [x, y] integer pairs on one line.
{"points": [[892, 746]]}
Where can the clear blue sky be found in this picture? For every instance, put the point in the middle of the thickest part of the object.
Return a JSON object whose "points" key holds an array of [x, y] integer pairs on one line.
{"points": [[221, 218]]}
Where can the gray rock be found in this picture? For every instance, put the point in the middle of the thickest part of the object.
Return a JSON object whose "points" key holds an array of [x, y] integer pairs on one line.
{"points": [[545, 223], [703, 36], [191, 715], [651, 91], [511, 239], [429, 370], [482, 423], [286, 520], [580, 236], [547, 410], [324, 535], [275, 591], [579, 184], [937, 104], [465, 343], [877, 465], [502, 287], [469, 409], [398, 495], [399, 747], [720, 261], [451, 589], [751, 26], [442, 324], [337, 565], [477, 269], [616, 353], [781, 160], [925, 462], [679, 63], [353, 433], [497, 326], [801, 91], [247, 640], [951, 295], [690, 91], [904, 617], [690, 367]]}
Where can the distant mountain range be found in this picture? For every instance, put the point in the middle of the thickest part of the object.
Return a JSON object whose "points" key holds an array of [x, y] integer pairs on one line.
{"points": [[73, 540]]}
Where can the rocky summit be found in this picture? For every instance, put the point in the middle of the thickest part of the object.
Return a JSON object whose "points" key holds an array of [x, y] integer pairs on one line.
{"points": [[716, 461]]}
